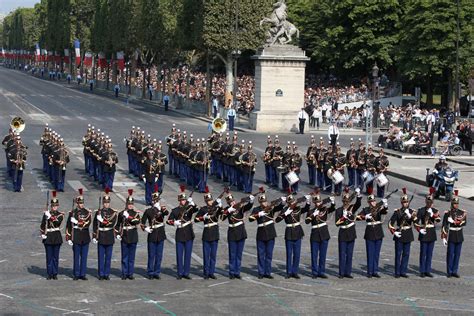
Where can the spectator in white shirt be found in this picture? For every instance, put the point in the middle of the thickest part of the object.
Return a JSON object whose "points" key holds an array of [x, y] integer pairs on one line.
{"points": [[302, 117], [317, 115], [333, 134]]}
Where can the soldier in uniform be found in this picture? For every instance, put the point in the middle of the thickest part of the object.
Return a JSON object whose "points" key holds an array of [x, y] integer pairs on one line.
{"points": [[201, 158], [236, 233], [293, 234], [232, 151], [453, 222], [426, 218], [60, 159], [320, 155], [7, 142], [239, 166], [216, 156], [311, 161], [371, 164], [103, 235], [155, 216], [361, 158], [382, 166], [191, 163], [128, 144], [77, 236], [174, 148], [44, 140], [161, 162], [264, 214], [170, 141], [150, 176], [351, 164], [209, 215], [110, 160], [51, 236], [345, 220], [181, 218], [248, 161], [17, 157], [400, 226], [88, 151], [317, 217], [267, 160], [85, 141], [296, 163], [328, 164], [127, 234], [339, 161], [276, 161], [223, 150], [373, 215], [286, 163]]}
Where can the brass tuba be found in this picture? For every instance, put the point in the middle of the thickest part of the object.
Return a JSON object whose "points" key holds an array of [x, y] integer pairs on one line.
{"points": [[17, 124], [219, 125]]}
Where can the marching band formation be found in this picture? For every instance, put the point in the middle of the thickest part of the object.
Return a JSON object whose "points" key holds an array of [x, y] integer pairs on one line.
{"points": [[55, 157], [15, 152]]}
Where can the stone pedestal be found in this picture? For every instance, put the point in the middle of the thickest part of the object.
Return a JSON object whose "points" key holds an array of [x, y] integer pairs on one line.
{"points": [[279, 88]]}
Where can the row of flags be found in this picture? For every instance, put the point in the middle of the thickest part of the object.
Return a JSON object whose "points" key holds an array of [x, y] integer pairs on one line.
{"points": [[43, 55]]}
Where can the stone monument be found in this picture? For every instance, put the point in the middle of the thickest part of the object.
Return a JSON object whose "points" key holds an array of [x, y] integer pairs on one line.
{"points": [[279, 76]]}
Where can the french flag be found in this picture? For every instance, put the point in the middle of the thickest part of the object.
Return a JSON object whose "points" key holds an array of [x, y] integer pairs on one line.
{"points": [[120, 60], [88, 59], [66, 56], [77, 48]]}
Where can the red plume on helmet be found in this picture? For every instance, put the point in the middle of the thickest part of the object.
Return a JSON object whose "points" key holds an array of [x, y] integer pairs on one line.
{"points": [[404, 190], [155, 189], [54, 194], [456, 192], [261, 189], [80, 191], [370, 190], [346, 189], [107, 190], [317, 190], [182, 187], [432, 190], [206, 189], [130, 192]]}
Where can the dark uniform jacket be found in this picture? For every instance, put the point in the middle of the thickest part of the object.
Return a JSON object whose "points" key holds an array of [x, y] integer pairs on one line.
{"points": [[400, 222], [347, 227], [211, 228], [50, 228], [79, 233], [266, 225], [320, 233], [277, 156], [155, 219], [150, 171], [164, 161], [374, 229], [453, 231], [293, 230], [425, 221], [107, 158], [185, 215], [104, 232], [127, 227], [236, 233]]}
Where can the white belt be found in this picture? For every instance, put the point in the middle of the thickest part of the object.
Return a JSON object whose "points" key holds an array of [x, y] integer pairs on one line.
{"points": [[236, 224], [49, 230], [210, 225], [347, 226], [293, 225], [184, 225], [105, 229], [455, 228], [319, 225], [374, 223], [129, 227], [405, 227], [80, 228], [429, 226], [265, 224], [157, 226]]}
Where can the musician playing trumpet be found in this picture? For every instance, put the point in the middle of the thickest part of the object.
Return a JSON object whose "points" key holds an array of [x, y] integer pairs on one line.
{"points": [[60, 159], [351, 165], [247, 165], [320, 157], [311, 161], [109, 160], [267, 160]]}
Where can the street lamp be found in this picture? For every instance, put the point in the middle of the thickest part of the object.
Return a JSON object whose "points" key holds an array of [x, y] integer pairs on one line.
{"points": [[369, 120]]}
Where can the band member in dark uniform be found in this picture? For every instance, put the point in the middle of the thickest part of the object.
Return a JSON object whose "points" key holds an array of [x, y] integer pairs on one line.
{"points": [[286, 163], [382, 164], [311, 161], [361, 158], [156, 234], [103, 234], [426, 219], [110, 160], [267, 160], [351, 165], [371, 165], [452, 234], [295, 166], [51, 236], [248, 161], [77, 236], [277, 158], [321, 154], [126, 230]]}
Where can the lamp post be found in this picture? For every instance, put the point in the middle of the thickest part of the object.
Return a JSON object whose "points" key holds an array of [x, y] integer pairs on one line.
{"points": [[369, 120]]}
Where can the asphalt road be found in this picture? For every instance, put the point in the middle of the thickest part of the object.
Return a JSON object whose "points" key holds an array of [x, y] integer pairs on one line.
{"points": [[24, 290]]}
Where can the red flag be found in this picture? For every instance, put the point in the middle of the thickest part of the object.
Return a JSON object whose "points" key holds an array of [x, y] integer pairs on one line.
{"points": [[120, 60]]}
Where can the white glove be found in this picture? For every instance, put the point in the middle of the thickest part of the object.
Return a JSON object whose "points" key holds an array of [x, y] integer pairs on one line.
{"points": [[344, 213], [368, 216], [48, 214], [126, 214], [100, 218], [451, 220], [157, 205], [148, 230], [430, 211], [156, 179], [191, 202], [144, 180], [44, 236], [219, 202], [357, 190], [261, 214], [332, 199], [445, 241], [407, 212], [251, 198], [398, 234], [94, 240], [283, 199], [316, 213], [70, 243], [385, 202], [307, 197], [119, 237], [177, 223], [206, 216], [74, 221], [423, 231], [231, 210], [288, 212]]}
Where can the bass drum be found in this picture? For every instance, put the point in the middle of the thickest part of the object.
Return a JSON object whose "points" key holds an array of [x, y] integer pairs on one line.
{"points": [[337, 177], [292, 177], [381, 180]]}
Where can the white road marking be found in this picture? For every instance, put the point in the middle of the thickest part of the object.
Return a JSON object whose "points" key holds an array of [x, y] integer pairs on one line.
{"points": [[4, 260], [65, 117], [113, 119], [75, 184], [69, 311], [98, 119], [212, 285], [7, 296], [172, 293], [81, 118], [124, 184], [130, 301]]}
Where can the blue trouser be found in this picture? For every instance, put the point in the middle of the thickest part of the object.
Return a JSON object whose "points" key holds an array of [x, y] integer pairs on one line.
{"points": [[351, 173], [60, 177], [108, 180], [231, 123], [346, 249], [359, 178], [86, 163], [380, 191], [182, 171], [200, 180], [128, 258], [130, 162], [402, 256], [247, 181], [236, 248], [293, 253], [209, 251], [96, 170], [453, 255], [264, 256], [373, 254], [183, 256], [328, 183], [218, 169], [231, 175], [318, 251], [426, 254], [171, 163], [284, 182], [190, 176], [100, 174], [104, 256], [312, 174], [155, 255], [225, 172], [80, 253], [176, 167], [268, 174], [161, 182], [320, 178], [91, 166], [54, 176], [18, 180], [149, 187], [275, 178], [52, 259], [45, 163]]}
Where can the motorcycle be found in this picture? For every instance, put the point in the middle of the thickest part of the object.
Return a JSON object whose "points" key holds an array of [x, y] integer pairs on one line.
{"points": [[443, 180]]}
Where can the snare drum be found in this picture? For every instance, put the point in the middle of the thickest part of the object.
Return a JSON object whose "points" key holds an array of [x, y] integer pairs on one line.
{"points": [[292, 177], [337, 177], [381, 180]]}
